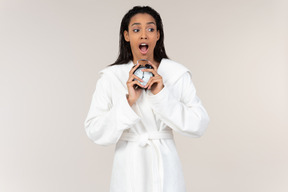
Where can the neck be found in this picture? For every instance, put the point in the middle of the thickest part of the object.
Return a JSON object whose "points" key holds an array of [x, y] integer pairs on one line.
{"points": [[151, 60]]}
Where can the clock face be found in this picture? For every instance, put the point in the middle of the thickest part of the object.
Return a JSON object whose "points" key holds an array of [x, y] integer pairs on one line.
{"points": [[145, 76]]}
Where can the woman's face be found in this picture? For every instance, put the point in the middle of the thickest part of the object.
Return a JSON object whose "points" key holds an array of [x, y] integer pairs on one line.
{"points": [[143, 35]]}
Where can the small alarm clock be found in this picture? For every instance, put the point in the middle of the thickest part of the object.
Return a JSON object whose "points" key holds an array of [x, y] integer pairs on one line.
{"points": [[144, 75]]}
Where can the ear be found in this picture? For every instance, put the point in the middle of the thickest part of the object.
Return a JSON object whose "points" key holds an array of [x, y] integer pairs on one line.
{"points": [[158, 35], [126, 36]]}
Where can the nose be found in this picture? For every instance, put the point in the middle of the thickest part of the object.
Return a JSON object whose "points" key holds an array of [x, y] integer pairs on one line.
{"points": [[143, 35]]}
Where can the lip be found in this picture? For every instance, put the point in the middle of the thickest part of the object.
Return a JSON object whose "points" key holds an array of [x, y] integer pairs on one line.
{"points": [[143, 52]]}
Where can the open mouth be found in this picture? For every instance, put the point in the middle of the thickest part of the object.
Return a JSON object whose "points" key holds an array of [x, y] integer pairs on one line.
{"points": [[143, 48]]}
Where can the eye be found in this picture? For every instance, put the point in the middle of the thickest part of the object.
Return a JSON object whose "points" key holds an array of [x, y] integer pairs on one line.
{"points": [[135, 30], [151, 29]]}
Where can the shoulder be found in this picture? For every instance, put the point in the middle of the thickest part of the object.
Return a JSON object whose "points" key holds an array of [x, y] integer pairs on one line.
{"points": [[117, 71], [171, 71], [116, 75]]}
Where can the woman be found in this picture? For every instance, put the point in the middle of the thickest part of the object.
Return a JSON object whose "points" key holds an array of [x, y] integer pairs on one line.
{"points": [[141, 120]]}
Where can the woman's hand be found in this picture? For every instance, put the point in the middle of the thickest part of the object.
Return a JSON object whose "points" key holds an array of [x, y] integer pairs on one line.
{"points": [[155, 84], [133, 92]]}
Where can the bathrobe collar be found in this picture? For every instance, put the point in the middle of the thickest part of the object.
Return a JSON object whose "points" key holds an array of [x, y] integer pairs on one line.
{"points": [[170, 71]]}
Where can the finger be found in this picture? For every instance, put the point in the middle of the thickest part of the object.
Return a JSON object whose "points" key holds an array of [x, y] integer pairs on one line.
{"points": [[132, 77], [153, 80], [137, 83], [154, 66], [132, 83], [149, 82], [152, 71], [133, 68], [136, 77]]}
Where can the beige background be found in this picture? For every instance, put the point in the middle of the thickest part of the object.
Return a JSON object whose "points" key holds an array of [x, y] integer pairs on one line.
{"points": [[51, 52]]}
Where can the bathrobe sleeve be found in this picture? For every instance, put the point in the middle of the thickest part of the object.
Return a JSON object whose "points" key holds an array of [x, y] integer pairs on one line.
{"points": [[107, 117], [185, 114]]}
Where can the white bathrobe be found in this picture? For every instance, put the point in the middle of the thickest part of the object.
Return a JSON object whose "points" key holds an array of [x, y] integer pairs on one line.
{"points": [[145, 157]]}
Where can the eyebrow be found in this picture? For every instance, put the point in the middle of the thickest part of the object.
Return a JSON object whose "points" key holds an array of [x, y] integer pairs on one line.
{"points": [[146, 23]]}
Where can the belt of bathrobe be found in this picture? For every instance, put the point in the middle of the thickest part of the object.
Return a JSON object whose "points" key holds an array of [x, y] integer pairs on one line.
{"points": [[143, 139], [147, 139]]}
